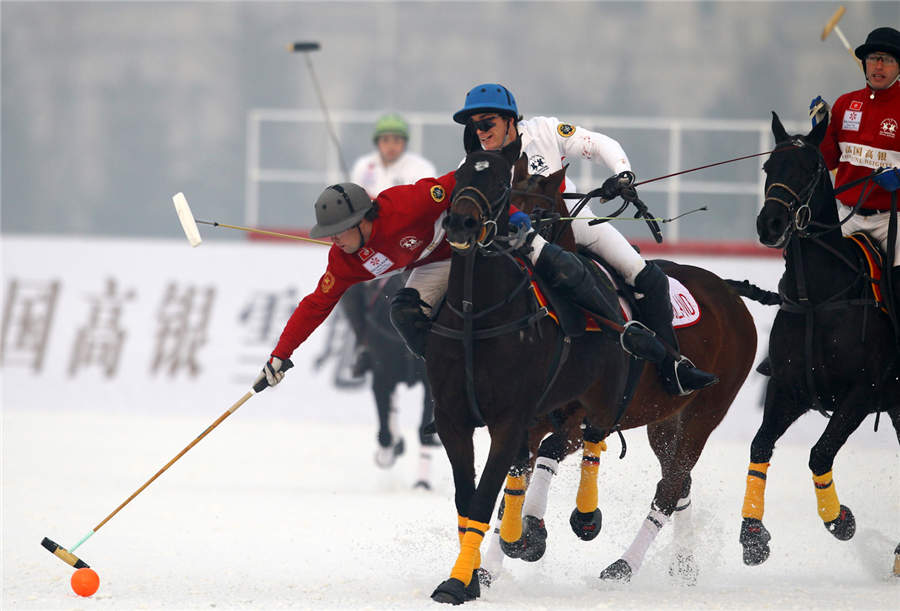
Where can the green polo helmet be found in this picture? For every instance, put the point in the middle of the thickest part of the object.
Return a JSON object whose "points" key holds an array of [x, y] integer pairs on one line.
{"points": [[340, 207], [391, 124]]}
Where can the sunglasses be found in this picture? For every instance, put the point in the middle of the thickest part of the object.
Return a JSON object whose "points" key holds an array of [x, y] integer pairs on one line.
{"points": [[484, 124]]}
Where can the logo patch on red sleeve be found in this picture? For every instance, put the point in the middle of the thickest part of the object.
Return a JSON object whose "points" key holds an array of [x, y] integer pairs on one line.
{"points": [[438, 193], [327, 282]]}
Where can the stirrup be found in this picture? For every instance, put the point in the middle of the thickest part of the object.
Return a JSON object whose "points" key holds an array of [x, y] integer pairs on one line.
{"points": [[673, 383]]}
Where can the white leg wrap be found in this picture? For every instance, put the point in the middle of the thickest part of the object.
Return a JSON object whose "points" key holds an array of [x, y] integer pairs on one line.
{"points": [[683, 522], [651, 526], [426, 458], [431, 282], [492, 560], [539, 487]]}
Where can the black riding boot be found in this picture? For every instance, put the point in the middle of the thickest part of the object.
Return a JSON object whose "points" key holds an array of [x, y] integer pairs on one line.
{"points": [[410, 321], [678, 374], [895, 280], [564, 270]]}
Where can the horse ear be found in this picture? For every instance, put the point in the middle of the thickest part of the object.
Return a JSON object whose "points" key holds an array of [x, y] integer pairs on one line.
{"points": [[470, 139], [558, 177], [778, 129], [520, 170], [818, 132], [511, 151]]}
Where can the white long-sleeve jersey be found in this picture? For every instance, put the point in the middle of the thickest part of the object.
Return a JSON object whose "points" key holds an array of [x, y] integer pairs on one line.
{"points": [[373, 176], [548, 142]]}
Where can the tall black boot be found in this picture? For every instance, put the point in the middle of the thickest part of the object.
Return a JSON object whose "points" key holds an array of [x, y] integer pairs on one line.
{"points": [[678, 374], [410, 321], [564, 270]]}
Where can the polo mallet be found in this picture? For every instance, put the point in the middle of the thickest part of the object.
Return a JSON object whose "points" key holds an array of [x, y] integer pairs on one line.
{"points": [[189, 224], [71, 559], [306, 48], [832, 25]]}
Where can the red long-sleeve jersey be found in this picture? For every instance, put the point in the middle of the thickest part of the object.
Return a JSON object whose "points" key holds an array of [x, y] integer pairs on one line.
{"points": [[407, 233], [863, 135]]}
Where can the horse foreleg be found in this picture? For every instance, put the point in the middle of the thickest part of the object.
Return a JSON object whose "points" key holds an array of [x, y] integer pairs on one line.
{"points": [[838, 519], [754, 537], [587, 519], [463, 582]]}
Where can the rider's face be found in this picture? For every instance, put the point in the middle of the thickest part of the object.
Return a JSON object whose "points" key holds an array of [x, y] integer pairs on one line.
{"points": [[390, 147], [494, 137], [349, 240], [881, 69]]}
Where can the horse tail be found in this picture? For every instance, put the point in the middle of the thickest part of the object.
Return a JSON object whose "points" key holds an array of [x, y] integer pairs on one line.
{"points": [[746, 289]]}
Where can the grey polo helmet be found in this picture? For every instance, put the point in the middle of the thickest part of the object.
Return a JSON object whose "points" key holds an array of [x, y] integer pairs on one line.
{"points": [[340, 207]]}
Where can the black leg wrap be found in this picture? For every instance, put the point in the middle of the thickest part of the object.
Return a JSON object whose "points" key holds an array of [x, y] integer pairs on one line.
{"points": [[451, 591], [410, 321], [531, 545]]}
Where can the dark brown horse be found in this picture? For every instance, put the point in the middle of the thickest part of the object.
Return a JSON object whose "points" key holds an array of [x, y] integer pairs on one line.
{"points": [[498, 360], [830, 346], [722, 341]]}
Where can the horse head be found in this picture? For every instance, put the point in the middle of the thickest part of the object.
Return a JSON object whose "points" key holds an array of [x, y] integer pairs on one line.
{"points": [[794, 171], [479, 208], [532, 191]]}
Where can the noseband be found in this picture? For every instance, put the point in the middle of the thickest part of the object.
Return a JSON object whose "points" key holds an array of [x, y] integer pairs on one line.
{"points": [[797, 203], [488, 213]]}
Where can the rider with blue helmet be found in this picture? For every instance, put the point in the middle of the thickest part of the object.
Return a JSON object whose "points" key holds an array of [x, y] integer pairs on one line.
{"points": [[492, 121]]}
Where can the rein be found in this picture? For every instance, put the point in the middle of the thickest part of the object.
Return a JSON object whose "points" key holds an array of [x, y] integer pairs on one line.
{"points": [[798, 207]]}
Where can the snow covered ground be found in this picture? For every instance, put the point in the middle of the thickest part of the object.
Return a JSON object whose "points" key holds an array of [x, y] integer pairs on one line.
{"points": [[282, 506]]}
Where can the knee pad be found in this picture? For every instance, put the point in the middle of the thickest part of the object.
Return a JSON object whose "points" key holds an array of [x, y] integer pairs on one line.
{"points": [[410, 321]]}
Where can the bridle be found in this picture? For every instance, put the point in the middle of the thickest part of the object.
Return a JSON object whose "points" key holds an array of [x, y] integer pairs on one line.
{"points": [[488, 213], [797, 202]]}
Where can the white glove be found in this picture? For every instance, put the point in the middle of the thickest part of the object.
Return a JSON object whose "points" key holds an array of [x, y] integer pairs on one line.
{"points": [[271, 372]]}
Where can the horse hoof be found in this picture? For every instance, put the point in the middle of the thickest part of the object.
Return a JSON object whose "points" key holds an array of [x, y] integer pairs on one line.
{"points": [[483, 577], [842, 527], [617, 571], [386, 456], [684, 568], [755, 540], [586, 525], [452, 592], [422, 484], [531, 545]]}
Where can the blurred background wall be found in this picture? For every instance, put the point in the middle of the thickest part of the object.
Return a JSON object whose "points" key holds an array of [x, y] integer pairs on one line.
{"points": [[108, 108]]}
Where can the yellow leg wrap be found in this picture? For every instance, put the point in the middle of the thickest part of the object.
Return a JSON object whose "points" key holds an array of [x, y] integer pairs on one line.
{"points": [[826, 497], [469, 557], [754, 497], [461, 528], [586, 499], [513, 499]]}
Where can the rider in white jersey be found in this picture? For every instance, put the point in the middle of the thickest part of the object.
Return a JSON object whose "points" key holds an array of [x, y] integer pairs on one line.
{"points": [[492, 121], [390, 164]]}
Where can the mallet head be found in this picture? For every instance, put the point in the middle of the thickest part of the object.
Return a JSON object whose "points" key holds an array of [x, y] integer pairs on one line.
{"points": [[832, 23], [303, 47], [63, 554], [187, 219]]}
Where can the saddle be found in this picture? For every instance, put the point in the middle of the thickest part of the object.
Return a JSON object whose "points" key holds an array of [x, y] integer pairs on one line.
{"points": [[574, 322]]}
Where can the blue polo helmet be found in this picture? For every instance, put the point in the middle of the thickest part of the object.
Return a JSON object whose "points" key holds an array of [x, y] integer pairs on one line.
{"points": [[486, 98]]}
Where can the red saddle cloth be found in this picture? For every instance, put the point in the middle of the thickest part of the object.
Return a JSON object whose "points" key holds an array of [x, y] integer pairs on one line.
{"points": [[874, 262], [685, 309]]}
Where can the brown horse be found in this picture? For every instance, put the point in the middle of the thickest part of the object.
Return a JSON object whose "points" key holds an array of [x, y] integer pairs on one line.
{"points": [[722, 341], [498, 360]]}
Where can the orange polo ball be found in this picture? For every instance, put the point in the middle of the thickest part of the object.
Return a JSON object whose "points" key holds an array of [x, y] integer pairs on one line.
{"points": [[85, 582]]}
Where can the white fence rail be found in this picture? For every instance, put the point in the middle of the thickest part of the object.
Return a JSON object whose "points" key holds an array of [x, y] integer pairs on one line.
{"points": [[671, 131]]}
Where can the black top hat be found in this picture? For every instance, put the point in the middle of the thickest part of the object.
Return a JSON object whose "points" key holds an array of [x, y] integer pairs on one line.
{"points": [[881, 39]]}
